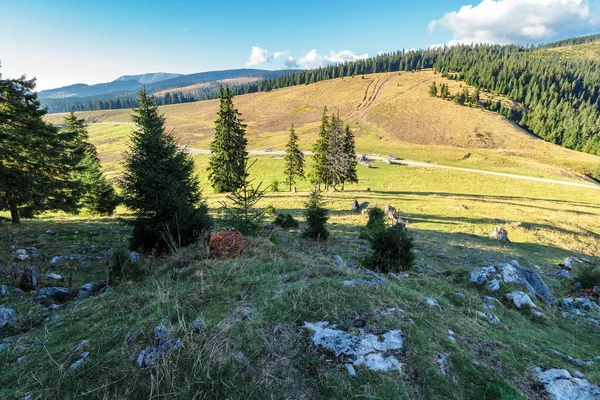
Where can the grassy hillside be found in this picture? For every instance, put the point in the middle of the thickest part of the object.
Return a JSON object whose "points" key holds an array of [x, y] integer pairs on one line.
{"points": [[390, 113], [251, 342], [588, 51]]}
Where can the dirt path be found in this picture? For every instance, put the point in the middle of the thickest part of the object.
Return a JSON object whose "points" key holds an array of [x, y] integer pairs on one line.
{"points": [[427, 165], [363, 107]]}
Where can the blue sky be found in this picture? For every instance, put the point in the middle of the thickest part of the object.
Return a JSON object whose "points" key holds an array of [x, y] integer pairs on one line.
{"points": [[66, 42]]}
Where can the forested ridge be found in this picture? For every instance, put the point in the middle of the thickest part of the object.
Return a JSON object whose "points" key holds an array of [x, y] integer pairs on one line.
{"points": [[559, 98]]}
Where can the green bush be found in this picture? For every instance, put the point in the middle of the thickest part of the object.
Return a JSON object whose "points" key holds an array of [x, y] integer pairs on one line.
{"points": [[316, 217], [270, 210], [391, 249], [124, 265], [285, 221], [588, 276], [275, 186], [376, 222]]}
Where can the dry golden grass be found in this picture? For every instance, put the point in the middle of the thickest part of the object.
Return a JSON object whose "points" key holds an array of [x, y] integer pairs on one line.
{"points": [[403, 120], [203, 85]]}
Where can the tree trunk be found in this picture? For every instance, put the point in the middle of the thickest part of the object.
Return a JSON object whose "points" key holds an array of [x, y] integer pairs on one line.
{"points": [[14, 213]]}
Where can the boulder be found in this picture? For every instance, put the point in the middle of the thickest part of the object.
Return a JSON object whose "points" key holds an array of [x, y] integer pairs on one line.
{"points": [[560, 385], [520, 299], [59, 294], [91, 288], [372, 351], [29, 279], [8, 317]]}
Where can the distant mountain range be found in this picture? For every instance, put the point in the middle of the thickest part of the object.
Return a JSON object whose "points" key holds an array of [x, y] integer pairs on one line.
{"points": [[81, 96]]}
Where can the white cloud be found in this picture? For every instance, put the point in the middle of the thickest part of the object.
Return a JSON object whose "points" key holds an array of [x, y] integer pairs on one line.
{"points": [[257, 56], [279, 54], [313, 59], [291, 62], [517, 21]]}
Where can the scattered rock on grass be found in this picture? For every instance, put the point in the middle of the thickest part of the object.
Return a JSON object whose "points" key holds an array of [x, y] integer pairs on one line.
{"points": [[431, 302], [500, 233], [512, 273], [442, 361], [54, 276], [3, 290], [162, 347], [490, 317], [338, 260], [560, 385], [8, 317], [54, 293], [91, 288], [29, 279], [79, 361], [520, 299], [367, 349]]}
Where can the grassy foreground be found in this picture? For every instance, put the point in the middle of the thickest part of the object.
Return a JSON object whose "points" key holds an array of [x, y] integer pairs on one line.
{"points": [[251, 343]]}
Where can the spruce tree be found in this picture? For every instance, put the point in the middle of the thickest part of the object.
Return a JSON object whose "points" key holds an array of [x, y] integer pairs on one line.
{"points": [[319, 173], [351, 163], [475, 98], [316, 217], [336, 160], [160, 186], [38, 164], [98, 195], [294, 160], [228, 159], [433, 89]]}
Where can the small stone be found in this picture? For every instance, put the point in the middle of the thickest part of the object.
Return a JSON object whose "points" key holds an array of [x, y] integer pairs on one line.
{"points": [[80, 361], [3, 290], [350, 369], [432, 302], [461, 296], [442, 361], [490, 317], [538, 314], [21, 252], [54, 293], [8, 317], [563, 274], [91, 288], [23, 257], [493, 285], [54, 276], [338, 260]]}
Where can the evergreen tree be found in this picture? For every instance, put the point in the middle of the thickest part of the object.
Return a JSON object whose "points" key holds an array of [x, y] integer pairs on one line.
{"points": [[335, 160], [351, 163], [160, 186], [316, 217], [294, 159], [433, 89], [227, 163], [319, 174], [475, 98], [98, 195], [38, 164]]}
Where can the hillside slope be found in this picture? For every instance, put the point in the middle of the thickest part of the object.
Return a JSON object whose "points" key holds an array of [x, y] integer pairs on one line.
{"points": [[389, 113]]}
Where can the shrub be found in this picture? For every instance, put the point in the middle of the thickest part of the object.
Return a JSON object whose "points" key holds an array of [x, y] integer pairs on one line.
{"points": [[275, 186], [285, 221], [316, 217], [270, 210], [376, 222], [391, 249], [124, 265], [588, 276]]}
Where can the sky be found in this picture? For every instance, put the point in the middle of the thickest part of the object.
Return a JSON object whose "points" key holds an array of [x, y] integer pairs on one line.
{"points": [[62, 42]]}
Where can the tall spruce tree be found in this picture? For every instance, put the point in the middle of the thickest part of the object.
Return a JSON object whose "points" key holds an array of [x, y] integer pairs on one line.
{"points": [[228, 159], [433, 89], [160, 186], [294, 159], [38, 164], [336, 160], [98, 195], [351, 162], [319, 172]]}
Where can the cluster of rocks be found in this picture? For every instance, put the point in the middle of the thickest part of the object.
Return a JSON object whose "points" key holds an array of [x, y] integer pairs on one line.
{"points": [[580, 307], [493, 277], [163, 346], [560, 385], [373, 351]]}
